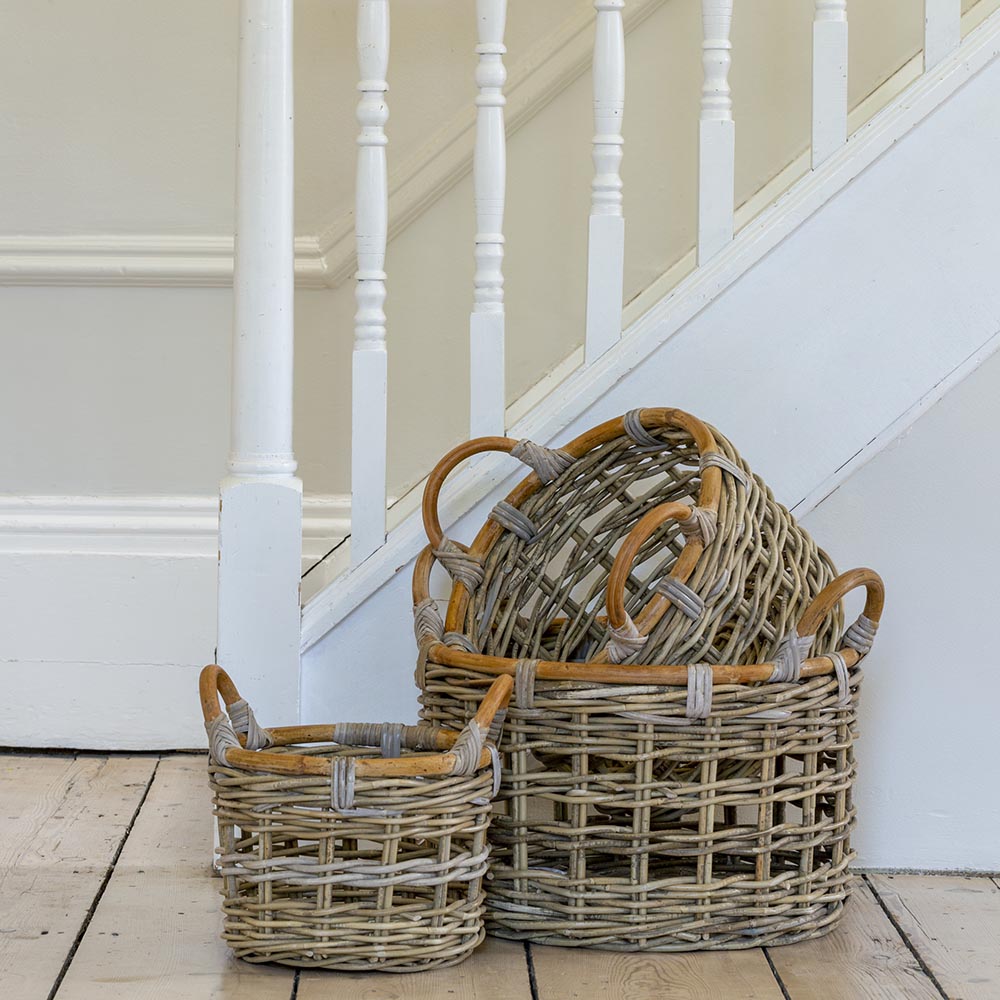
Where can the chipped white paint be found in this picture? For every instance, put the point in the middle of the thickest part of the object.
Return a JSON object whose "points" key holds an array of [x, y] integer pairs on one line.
{"points": [[606, 244], [716, 132], [489, 171], [368, 384], [829, 79], [260, 521]]}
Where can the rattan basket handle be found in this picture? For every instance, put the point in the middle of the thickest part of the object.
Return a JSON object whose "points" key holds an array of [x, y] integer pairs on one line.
{"points": [[212, 683], [698, 524], [444, 468], [859, 635], [487, 721]]}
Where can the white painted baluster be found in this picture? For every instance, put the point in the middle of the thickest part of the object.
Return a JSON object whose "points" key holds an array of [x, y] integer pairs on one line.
{"points": [[717, 133], [489, 170], [368, 385], [829, 79], [942, 30], [260, 519], [606, 244]]}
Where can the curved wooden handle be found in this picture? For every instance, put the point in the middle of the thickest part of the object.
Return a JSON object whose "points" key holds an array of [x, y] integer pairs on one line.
{"points": [[643, 530], [212, 682], [824, 602], [495, 701], [441, 471]]}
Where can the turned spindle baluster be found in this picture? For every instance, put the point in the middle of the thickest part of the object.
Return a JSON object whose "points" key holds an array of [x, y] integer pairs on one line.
{"points": [[606, 246], [717, 133], [942, 30], [489, 169], [368, 401], [829, 79]]}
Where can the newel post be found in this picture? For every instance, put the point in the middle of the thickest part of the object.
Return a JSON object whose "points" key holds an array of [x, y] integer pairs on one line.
{"points": [[260, 509]]}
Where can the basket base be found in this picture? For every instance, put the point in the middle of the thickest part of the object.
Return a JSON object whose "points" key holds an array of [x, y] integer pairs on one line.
{"points": [[357, 961], [735, 924]]}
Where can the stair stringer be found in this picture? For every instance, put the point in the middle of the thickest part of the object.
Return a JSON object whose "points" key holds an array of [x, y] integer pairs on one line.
{"points": [[830, 324]]}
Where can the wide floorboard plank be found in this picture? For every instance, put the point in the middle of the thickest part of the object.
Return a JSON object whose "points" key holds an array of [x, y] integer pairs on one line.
{"points": [[954, 924], [575, 974], [156, 933], [62, 820], [862, 957], [497, 970]]}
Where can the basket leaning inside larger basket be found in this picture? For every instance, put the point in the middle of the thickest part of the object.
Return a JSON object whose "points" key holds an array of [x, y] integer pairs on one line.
{"points": [[678, 772], [335, 857]]}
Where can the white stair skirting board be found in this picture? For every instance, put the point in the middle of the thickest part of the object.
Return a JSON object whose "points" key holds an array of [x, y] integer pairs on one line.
{"points": [[324, 258], [666, 318]]}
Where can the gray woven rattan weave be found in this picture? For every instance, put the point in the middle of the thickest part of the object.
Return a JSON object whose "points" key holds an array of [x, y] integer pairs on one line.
{"points": [[333, 859], [690, 789]]}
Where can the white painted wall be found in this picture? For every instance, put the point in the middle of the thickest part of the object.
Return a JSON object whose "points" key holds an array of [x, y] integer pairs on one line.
{"points": [[925, 513], [849, 323]]}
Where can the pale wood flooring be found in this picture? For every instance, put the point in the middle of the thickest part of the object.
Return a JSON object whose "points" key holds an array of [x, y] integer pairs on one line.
{"points": [[105, 893]]}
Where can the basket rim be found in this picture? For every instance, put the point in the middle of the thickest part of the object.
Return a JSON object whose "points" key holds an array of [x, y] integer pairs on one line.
{"points": [[215, 683], [676, 675], [650, 418]]}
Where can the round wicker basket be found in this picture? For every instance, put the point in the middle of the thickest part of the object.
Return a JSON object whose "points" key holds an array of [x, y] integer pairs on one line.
{"points": [[678, 774]]}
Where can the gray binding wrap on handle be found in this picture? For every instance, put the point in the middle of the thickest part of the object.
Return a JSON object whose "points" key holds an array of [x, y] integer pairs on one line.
{"points": [[681, 596], [508, 516], [701, 523], [221, 738], [461, 566], [524, 684], [699, 691], [861, 635], [547, 463], [624, 641], [720, 461], [243, 720], [792, 650], [632, 421]]}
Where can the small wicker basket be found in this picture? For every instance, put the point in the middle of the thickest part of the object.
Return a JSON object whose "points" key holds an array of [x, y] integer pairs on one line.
{"points": [[332, 857]]}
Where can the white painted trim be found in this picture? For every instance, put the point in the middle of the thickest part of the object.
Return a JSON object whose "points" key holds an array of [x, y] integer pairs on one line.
{"points": [[897, 428], [662, 321], [325, 258], [176, 526], [146, 260]]}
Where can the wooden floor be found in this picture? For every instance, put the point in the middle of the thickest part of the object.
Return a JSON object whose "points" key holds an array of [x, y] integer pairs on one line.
{"points": [[105, 893]]}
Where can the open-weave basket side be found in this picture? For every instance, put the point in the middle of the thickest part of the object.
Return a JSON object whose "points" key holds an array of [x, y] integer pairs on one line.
{"points": [[624, 824], [543, 594], [396, 884]]}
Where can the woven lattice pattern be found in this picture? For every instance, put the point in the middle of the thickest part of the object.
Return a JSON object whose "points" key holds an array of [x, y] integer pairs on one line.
{"points": [[679, 749], [543, 596], [394, 885], [644, 829]]}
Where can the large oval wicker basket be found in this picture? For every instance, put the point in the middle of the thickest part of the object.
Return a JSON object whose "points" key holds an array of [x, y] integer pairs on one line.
{"points": [[700, 800], [333, 857]]}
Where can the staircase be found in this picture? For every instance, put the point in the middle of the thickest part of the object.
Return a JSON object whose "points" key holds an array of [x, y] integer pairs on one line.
{"points": [[769, 335]]}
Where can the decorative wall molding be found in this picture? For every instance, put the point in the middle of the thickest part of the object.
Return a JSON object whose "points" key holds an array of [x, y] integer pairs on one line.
{"points": [[663, 320], [324, 259], [175, 526]]}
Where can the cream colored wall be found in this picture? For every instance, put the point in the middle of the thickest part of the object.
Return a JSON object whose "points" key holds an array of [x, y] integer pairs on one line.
{"points": [[117, 117]]}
